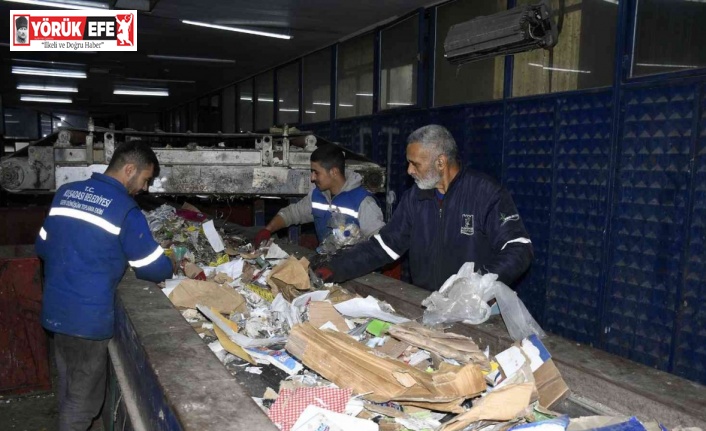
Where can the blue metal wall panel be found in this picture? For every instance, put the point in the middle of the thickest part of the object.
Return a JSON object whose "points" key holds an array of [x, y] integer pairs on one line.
{"points": [[529, 144], [454, 119], [321, 129], [393, 129], [482, 148], [649, 215], [356, 135], [690, 343], [581, 171]]}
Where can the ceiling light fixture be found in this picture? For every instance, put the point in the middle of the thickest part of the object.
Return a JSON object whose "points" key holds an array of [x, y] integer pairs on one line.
{"points": [[364, 94], [321, 103], [199, 59], [345, 105], [247, 99], [177, 81], [288, 110], [310, 112], [74, 4], [37, 71], [238, 29], [55, 88], [399, 104], [141, 92], [48, 99]]}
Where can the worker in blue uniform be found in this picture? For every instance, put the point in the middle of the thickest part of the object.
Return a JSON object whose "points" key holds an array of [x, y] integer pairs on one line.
{"points": [[335, 191], [94, 230], [452, 215]]}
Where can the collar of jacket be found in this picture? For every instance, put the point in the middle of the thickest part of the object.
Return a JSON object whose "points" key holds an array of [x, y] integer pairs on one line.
{"points": [[109, 180], [431, 193]]}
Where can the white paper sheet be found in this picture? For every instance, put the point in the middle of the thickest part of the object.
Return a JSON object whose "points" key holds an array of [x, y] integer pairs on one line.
{"points": [[232, 269], [276, 252], [315, 418], [367, 307], [214, 238]]}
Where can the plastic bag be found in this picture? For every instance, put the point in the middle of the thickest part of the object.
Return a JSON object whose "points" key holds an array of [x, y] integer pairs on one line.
{"points": [[465, 296], [343, 232]]}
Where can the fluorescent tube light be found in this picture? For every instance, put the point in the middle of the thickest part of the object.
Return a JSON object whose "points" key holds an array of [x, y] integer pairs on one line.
{"points": [[364, 94], [247, 99], [198, 59], [288, 110], [141, 92], [310, 112], [322, 103], [37, 71], [345, 105], [399, 104], [48, 99], [55, 88], [178, 81], [675, 66], [74, 4], [559, 69], [238, 29]]}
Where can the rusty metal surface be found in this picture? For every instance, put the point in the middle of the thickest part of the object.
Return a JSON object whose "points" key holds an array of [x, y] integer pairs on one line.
{"points": [[24, 353]]}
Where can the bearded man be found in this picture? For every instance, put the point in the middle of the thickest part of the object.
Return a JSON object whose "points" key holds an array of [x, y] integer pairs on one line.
{"points": [[452, 215]]}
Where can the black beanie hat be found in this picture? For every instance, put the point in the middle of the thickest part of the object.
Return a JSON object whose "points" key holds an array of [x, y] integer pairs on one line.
{"points": [[21, 22]]}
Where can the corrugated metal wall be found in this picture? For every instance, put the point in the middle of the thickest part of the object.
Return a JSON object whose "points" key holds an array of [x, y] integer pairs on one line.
{"points": [[618, 225]]}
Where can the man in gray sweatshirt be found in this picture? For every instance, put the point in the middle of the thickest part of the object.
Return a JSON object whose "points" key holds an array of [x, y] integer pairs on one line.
{"points": [[335, 191]]}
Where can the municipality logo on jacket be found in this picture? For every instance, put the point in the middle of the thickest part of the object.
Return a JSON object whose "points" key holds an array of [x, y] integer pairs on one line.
{"points": [[80, 30]]}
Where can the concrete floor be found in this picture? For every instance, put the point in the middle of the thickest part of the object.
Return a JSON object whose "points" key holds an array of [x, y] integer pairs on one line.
{"points": [[36, 412]]}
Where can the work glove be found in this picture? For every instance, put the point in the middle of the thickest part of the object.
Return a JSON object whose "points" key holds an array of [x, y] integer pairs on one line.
{"points": [[324, 273], [261, 236]]}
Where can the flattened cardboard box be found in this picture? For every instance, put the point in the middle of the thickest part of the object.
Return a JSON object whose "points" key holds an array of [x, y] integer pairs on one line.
{"points": [[551, 386]]}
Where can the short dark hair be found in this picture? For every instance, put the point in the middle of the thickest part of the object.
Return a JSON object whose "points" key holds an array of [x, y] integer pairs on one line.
{"points": [[330, 156], [137, 153]]}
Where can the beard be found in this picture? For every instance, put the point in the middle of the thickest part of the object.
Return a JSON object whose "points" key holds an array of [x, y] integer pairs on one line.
{"points": [[429, 181]]}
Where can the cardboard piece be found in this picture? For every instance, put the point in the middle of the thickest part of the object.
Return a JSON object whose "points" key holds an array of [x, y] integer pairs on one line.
{"points": [[226, 342], [551, 386], [393, 348], [223, 298], [448, 345], [188, 206], [321, 312], [290, 276], [382, 379], [531, 353], [193, 271], [500, 405]]}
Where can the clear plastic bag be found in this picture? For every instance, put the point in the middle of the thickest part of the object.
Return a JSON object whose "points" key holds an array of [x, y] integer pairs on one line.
{"points": [[465, 296], [343, 232]]}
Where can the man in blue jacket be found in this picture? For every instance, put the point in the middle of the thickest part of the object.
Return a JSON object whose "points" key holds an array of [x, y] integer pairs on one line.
{"points": [[335, 191], [93, 232], [451, 216]]}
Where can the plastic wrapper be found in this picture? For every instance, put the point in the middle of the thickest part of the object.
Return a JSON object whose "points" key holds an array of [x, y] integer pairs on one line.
{"points": [[464, 298], [344, 231]]}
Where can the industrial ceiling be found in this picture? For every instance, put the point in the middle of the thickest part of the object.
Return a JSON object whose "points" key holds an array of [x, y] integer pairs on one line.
{"points": [[312, 25]]}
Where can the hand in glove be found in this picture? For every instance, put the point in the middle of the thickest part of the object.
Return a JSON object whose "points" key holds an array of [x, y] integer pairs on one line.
{"points": [[261, 237]]}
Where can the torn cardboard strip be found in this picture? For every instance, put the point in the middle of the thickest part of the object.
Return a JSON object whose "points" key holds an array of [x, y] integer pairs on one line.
{"points": [[448, 345], [225, 299]]}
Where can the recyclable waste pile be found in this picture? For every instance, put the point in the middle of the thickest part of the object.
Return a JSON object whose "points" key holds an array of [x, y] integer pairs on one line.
{"points": [[348, 363]]}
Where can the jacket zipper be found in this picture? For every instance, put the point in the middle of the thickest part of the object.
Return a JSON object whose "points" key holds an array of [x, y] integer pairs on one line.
{"points": [[439, 243]]}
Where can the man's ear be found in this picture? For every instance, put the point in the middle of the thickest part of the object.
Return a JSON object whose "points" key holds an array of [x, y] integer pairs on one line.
{"points": [[441, 162], [129, 169]]}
